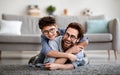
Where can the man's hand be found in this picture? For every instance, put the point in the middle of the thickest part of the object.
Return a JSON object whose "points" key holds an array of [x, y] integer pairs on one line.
{"points": [[52, 66], [75, 49]]}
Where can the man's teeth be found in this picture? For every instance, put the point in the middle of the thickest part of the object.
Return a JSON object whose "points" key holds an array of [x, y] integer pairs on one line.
{"points": [[67, 42]]}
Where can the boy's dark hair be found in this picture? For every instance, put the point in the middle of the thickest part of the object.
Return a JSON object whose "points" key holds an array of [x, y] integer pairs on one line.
{"points": [[46, 21], [78, 27]]}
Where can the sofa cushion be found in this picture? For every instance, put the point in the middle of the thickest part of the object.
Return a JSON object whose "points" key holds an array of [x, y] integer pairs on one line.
{"points": [[25, 38], [10, 27], [29, 24], [98, 17], [63, 21], [97, 26], [104, 37]]}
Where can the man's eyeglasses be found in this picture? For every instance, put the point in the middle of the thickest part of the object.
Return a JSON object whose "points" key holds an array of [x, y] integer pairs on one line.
{"points": [[46, 32], [72, 37]]}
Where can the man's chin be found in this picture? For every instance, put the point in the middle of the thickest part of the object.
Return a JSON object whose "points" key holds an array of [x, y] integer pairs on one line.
{"points": [[67, 46]]}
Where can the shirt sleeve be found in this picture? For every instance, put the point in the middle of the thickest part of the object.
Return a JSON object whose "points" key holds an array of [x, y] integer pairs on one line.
{"points": [[45, 46], [53, 44], [78, 62], [83, 39]]}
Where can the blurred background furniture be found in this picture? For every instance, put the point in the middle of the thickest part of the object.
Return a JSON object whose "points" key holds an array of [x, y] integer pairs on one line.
{"points": [[29, 40]]}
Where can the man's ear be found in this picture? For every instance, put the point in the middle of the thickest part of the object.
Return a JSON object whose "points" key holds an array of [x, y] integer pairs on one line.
{"points": [[78, 40]]}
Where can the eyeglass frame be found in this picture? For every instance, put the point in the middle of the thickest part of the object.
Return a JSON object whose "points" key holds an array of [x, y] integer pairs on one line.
{"points": [[46, 32], [72, 37]]}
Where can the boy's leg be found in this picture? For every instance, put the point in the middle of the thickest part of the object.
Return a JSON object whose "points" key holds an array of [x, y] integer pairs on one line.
{"points": [[36, 59], [41, 58]]}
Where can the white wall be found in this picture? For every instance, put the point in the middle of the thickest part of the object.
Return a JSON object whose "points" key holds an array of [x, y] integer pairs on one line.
{"points": [[110, 8]]}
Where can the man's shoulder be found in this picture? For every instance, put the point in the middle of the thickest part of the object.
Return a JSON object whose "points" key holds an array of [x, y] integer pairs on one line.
{"points": [[57, 39], [84, 39], [61, 31]]}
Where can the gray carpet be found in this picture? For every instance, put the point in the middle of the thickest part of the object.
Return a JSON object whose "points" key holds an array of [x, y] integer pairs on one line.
{"points": [[101, 69]]}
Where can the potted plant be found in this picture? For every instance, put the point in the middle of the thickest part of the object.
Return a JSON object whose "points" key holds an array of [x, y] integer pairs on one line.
{"points": [[50, 9]]}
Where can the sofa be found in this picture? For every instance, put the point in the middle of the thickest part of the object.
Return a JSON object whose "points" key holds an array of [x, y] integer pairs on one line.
{"points": [[29, 39]]}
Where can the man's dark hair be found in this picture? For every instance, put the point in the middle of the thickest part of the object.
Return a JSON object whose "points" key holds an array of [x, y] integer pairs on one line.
{"points": [[46, 21], [78, 27]]}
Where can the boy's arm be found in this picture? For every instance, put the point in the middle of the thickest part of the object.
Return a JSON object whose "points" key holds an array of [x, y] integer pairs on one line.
{"points": [[55, 52], [74, 50], [79, 46], [47, 50]]}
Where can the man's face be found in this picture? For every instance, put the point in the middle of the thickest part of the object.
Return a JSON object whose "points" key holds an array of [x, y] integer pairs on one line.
{"points": [[50, 32], [69, 38]]}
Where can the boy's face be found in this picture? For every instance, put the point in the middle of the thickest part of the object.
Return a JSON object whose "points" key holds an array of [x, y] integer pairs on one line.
{"points": [[50, 32]]}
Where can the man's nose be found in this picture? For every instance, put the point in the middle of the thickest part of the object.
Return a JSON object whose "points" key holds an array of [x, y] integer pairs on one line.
{"points": [[68, 38]]}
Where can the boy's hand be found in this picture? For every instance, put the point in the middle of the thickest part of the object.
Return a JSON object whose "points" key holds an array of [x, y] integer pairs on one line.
{"points": [[72, 57], [75, 49]]}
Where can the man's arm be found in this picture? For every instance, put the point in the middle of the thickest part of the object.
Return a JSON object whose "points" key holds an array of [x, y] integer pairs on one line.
{"points": [[54, 66]]}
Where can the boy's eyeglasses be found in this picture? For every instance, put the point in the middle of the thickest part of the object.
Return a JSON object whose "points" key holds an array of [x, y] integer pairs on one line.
{"points": [[46, 32], [72, 37]]}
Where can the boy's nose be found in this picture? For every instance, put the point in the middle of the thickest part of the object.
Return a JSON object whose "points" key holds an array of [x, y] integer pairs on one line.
{"points": [[50, 33]]}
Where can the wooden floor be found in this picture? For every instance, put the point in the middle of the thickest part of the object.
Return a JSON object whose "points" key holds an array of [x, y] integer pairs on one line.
{"points": [[94, 56]]}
